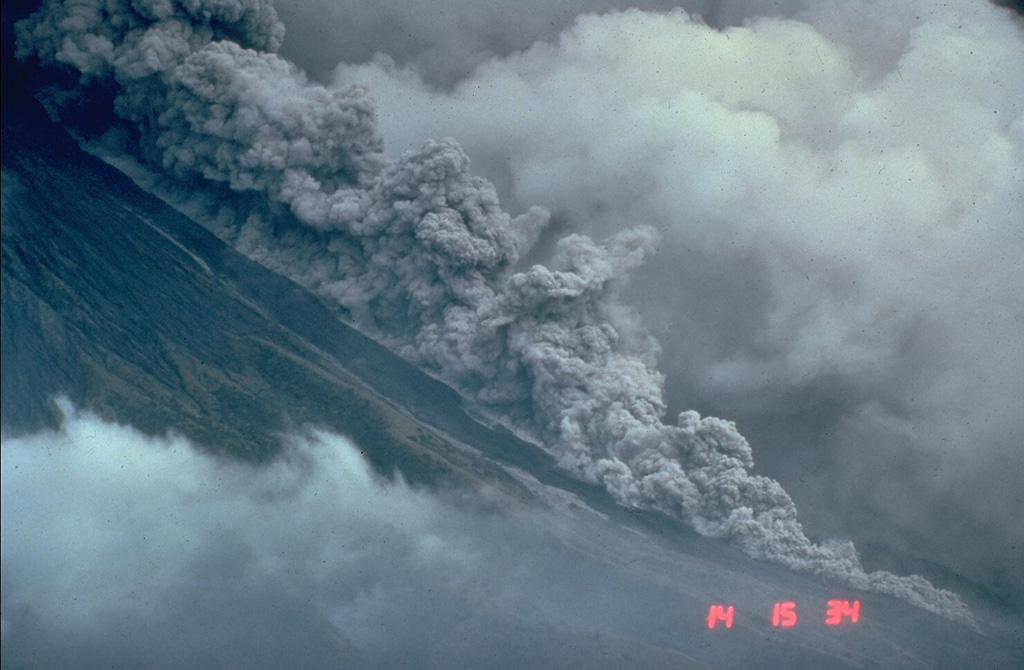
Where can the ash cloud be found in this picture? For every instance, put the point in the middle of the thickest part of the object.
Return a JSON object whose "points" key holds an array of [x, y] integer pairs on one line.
{"points": [[419, 251], [837, 193]]}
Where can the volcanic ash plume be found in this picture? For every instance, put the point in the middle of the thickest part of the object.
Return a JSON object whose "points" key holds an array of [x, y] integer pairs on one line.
{"points": [[422, 255]]}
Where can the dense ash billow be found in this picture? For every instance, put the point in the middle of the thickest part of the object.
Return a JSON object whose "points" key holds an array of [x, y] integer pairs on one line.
{"points": [[421, 253]]}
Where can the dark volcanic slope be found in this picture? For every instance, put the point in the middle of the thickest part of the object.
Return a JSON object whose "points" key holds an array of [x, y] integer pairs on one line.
{"points": [[135, 312], [97, 305]]}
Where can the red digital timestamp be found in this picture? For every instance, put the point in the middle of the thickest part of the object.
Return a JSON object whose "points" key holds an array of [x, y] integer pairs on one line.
{"points": [[784, 614]]}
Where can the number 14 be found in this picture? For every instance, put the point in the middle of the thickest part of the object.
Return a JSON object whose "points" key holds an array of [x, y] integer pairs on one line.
{"points": [[784, 613]]}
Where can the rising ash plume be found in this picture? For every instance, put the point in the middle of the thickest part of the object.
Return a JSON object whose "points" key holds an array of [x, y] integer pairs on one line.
{"points": [[419, 251]]}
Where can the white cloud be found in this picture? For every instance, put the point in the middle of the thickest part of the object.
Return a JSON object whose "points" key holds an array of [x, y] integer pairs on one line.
{"points": [[119, 547], [839, 200]]}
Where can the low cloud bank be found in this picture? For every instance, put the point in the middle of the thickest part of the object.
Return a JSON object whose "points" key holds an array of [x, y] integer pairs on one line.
{"points": [[123, 549]]}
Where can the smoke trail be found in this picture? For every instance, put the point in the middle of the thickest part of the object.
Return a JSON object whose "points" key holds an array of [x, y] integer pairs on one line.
{"points": [[421, 253]]}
